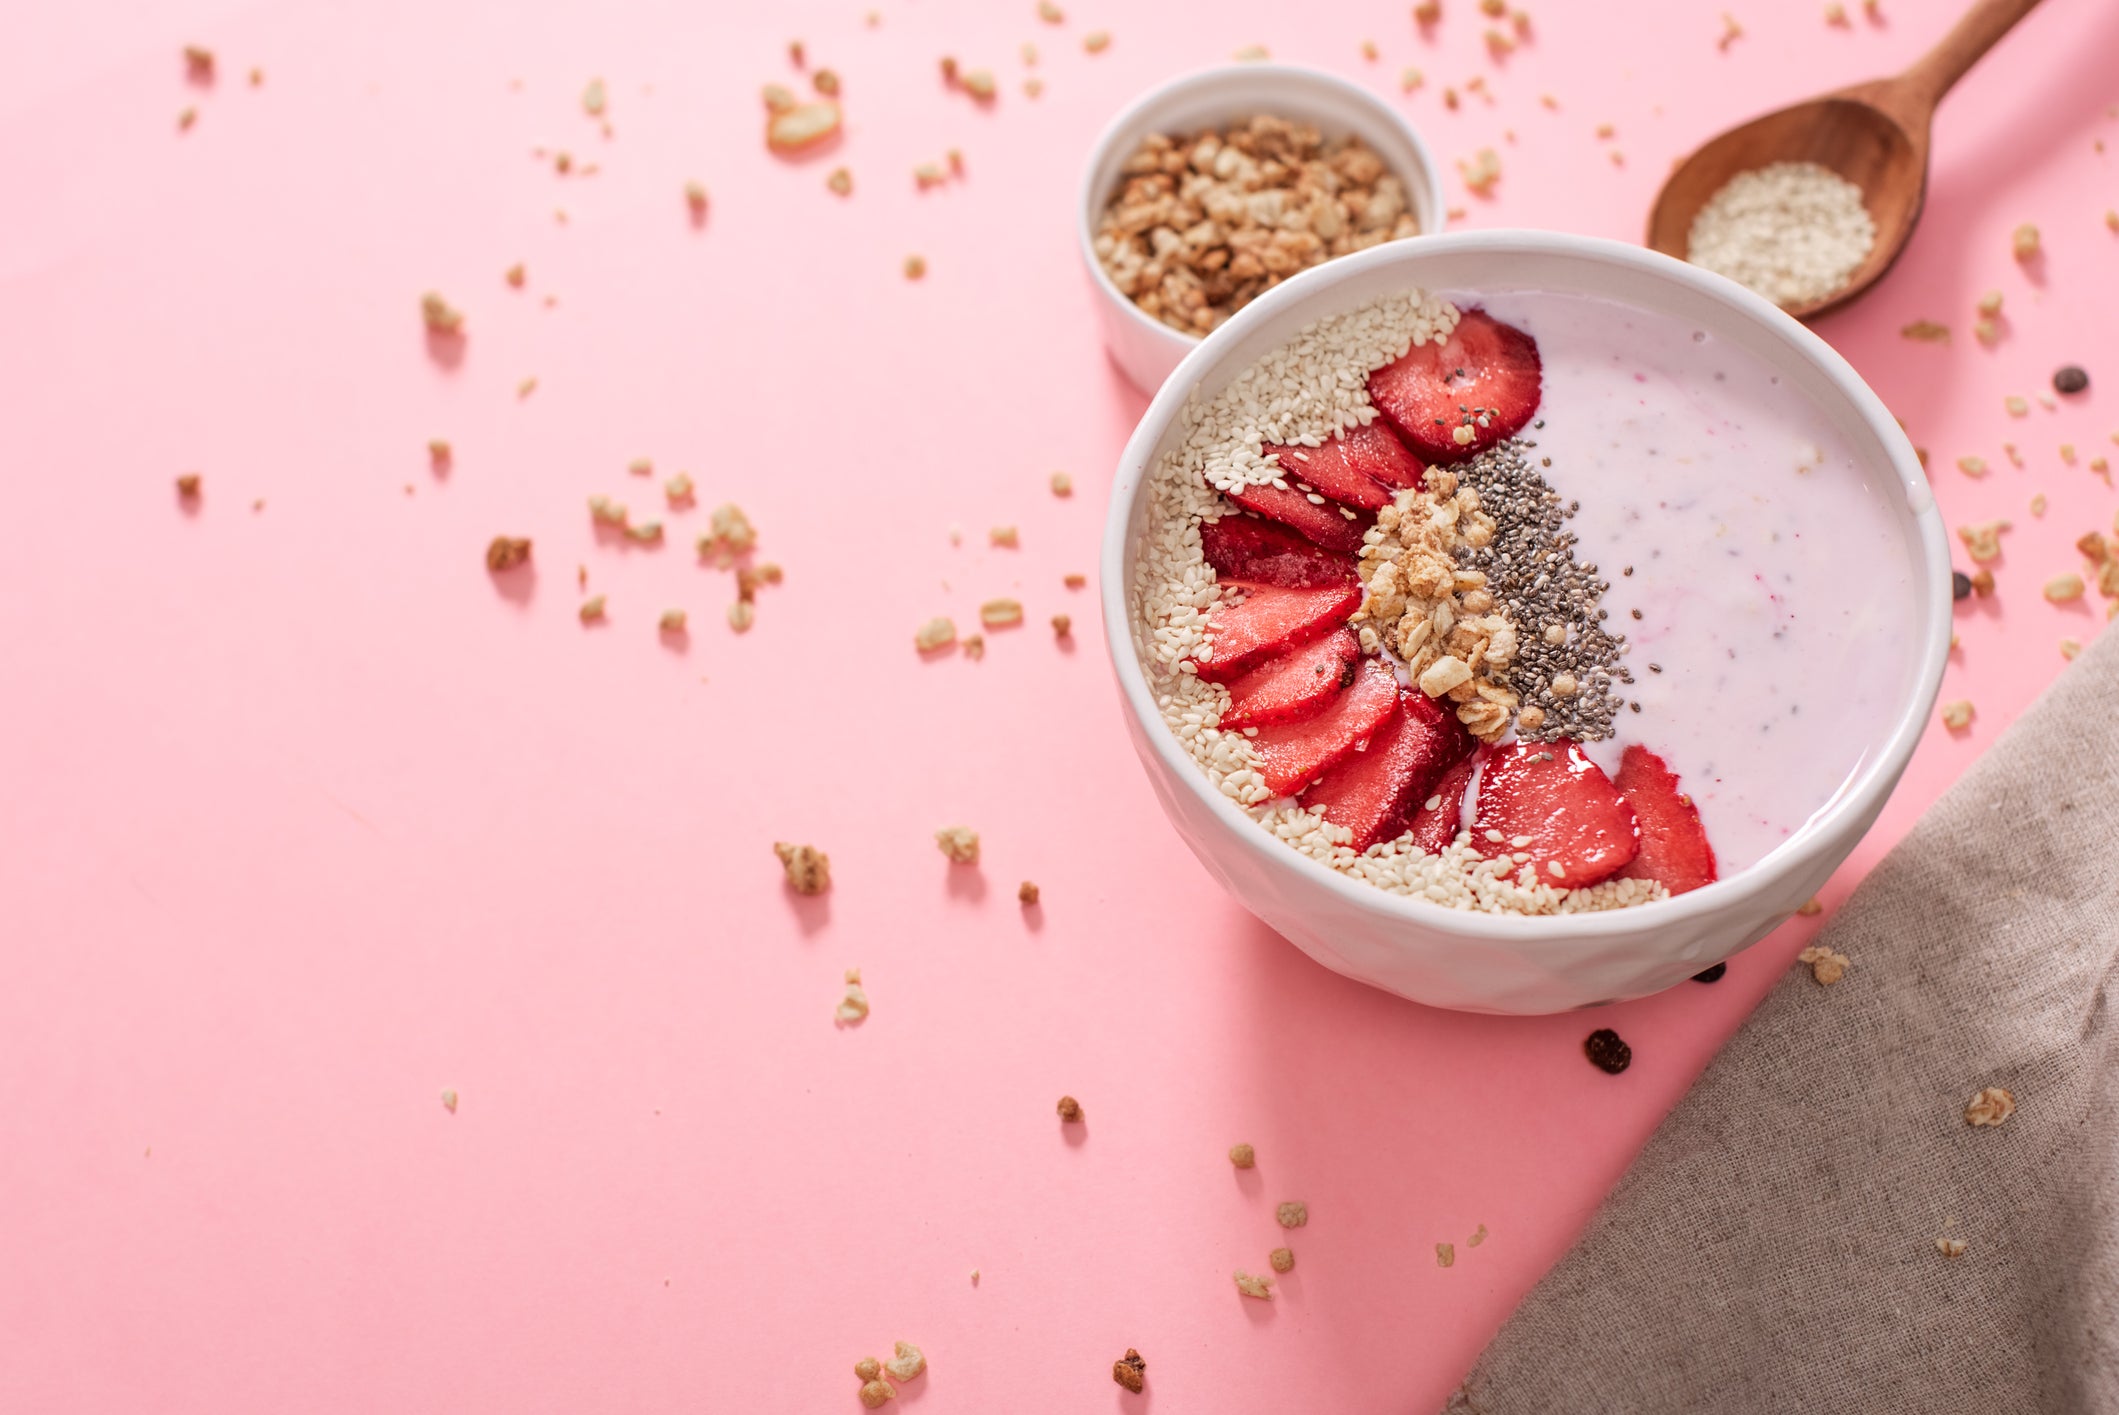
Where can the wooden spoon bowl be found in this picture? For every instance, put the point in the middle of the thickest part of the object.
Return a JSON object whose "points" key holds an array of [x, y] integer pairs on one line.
{"points": [[1874, 134]]}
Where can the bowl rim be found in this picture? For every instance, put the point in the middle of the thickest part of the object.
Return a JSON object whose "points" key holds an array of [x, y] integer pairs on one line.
{"points": [[1861, 796], [1428, 179]]}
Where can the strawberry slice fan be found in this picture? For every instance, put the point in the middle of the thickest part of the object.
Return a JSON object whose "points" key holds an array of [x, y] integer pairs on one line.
{"points": [[1379, 759]]}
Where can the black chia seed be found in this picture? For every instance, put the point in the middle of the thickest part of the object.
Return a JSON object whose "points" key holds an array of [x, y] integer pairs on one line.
{"points": [[1535, 581]]}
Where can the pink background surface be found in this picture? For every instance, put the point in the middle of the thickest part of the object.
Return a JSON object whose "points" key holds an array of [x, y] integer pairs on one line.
{"points": [[301, 821]]}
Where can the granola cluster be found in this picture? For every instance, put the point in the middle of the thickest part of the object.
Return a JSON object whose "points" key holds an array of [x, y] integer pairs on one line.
{"points": [[1440, 618], [1204, 224]]}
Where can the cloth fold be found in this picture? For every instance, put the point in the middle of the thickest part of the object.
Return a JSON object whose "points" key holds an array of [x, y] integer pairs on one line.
{"points": [[1775, 1246]]}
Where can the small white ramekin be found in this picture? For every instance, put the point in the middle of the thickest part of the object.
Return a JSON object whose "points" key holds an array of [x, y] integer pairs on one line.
{"points": [[1484, 962], [1145, 348]]}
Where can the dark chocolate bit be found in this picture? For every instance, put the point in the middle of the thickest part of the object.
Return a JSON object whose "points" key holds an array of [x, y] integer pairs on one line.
{"points": [[1712, 975], [2071, 378], [1606, 1052]]}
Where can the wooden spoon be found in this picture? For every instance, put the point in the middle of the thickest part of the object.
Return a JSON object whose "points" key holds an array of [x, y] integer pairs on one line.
{"points": [[1874, 134]]}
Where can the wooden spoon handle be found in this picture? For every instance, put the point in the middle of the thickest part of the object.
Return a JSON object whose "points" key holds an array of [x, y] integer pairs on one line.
{"points": [[1941, 67]]}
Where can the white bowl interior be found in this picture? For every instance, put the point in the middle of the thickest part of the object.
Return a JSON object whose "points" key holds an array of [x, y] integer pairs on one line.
{"points": [[1496, 262]]}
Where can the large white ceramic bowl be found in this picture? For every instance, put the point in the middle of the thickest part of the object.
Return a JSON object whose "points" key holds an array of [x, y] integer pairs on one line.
{"points": [[1489, 963], [1145, 348]]}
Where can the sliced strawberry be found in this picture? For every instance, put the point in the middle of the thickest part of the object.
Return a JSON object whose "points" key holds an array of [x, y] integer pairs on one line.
{"points": [[1369, 791], [1327, 525], [1259, 552], [1485, 370], [1296, 685], [1270, 621], [1359, 468], [1674, 848], [1563, 809], [1293, 756], [1438, 817]]}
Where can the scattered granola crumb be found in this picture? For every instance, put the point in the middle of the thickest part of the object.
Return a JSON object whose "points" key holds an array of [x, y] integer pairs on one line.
{"points": [[679, 489], [672, 621], [876, 1394], [1478, 1237], [448, 1101], [867, 1368], [826, 82], [1062, 484], [507, 552], [1987, 332], [188, 488], [1957, 714], [1000, 613], [1027, 893], [525, 388], [185, 118], [906, 1364], [1050, 13], [1826, 966], [1982, 582], [840, 182], [439, 315], [1482, 171], [1292, 1214], [1983, 541], [808, 868], [695, 198], [1282, 1259], [1249, 1286], [2017, 407], [802, 127], [1096, 41], [1251, 54], [1927, 331], [1410, 79], [1130, 1371], [1062, 625], [1445, 1255], [1950, 1247], [1836, 14], [974, 646], [974, 1277], [1074, 582], [647, 532], [2062, 588], [959, 843], [2069, 648], [1070, 1110], [2067, 453], [1004, 536], [934, 634], [1810, 908], [591, 609], [1972, 466], [2023, 241], [1427, 12], [439, 454], [853, 1007], [1242, 1156], [1992, 1106], [515, 275], [741, 615], [1990, 303], [915, 267], [1731, 32], [592, 98], [730, 533]]}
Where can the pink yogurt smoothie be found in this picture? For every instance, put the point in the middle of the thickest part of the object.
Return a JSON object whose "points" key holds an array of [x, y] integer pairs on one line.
{"points": [[1773, 588]]}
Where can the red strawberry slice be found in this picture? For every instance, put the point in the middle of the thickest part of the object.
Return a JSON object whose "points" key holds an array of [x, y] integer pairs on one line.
{"points": [[1369, 791], [1563, 809], [1359, 468], [1438, 817], [1293, 756], [1296, 685], [1325, 525], [1261, 553], [1485, 369], [1269, 621], [1674, 848]]}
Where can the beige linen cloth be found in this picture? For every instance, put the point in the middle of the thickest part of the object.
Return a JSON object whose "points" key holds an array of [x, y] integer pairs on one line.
{"points": [[1774, 1246]]}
